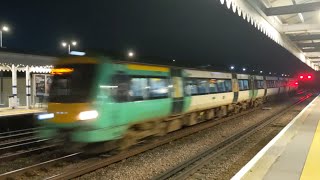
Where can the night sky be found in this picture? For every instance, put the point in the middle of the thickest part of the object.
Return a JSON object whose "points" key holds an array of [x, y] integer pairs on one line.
{"points": [[194, 32]]}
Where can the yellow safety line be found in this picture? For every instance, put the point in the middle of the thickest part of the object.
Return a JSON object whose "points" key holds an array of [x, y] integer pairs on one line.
{"points": [[311, 168]]}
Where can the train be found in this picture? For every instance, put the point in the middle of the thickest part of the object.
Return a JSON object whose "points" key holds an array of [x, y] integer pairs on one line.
{"points": [[98, 100]]}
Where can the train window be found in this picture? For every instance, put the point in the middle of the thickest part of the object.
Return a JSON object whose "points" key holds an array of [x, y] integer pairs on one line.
{"points": [[158, 88], [202, 86], [192, 86], [139, 89], [259, 84], [208, 86], [243, 84], [119, 88], [75, 86], [213, 87], [221, 86], [228, 85], [240, 82], [271, 84], [187, 89]]}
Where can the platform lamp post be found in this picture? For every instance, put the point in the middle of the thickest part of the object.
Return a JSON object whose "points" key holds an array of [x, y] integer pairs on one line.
{"points": [[131, 54], [68, 45], [3, 29]]}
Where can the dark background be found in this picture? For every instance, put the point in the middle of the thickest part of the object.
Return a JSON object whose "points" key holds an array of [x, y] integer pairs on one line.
{"points": [[193, 32]]}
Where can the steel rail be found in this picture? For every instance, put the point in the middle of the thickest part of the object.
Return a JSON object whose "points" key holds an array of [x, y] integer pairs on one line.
{"points": [[11, 157], [17, 131], [27, 144], [21, 171], [23, 134], [6, 144]]}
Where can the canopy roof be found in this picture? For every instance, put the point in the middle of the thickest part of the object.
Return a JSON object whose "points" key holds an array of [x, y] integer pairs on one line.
{"points": [[37, 63], [294, 24]]}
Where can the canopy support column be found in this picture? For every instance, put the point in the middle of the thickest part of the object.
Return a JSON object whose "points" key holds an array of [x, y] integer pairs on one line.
{"points": [[14, 100], [28, 88]]}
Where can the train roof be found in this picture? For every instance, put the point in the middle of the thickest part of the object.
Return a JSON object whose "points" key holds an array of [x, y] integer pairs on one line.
{"points": [[104, 59]]}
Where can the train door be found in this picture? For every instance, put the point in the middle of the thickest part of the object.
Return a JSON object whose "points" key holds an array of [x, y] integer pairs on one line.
{"points": [[177, 91], [265, 86], [235, 88], [253, 87]]}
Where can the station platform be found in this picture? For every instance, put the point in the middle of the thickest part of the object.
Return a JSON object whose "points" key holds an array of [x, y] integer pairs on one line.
{"points": [[21, 110], [293, 154]]}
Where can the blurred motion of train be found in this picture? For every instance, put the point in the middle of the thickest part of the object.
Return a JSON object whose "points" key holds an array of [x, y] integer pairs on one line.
{"points": [[97, 100]]}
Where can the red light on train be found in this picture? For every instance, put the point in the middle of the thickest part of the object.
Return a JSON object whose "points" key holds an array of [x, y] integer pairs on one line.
{"points": [[305, 77], [296, 83]]}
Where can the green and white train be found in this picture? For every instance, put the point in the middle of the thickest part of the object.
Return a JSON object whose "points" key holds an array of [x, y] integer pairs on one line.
{"points": [[97, 100]]}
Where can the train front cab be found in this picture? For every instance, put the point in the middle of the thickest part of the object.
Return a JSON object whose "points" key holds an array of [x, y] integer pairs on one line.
{"points": [[72, 92], [120, 95]]}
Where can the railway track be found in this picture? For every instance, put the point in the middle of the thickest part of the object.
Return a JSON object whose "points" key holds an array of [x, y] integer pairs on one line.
{"points": [[12, 135], [25, 153], [21, 143], [118, 157], [103, 161], [44, 164], [189, 167]]}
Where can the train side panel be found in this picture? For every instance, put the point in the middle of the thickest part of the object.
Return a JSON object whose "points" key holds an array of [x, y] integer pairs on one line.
{"points": [[210, 101]]}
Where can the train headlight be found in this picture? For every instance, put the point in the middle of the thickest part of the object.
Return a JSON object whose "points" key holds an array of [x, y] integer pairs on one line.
{"points": [[87, 115], [45, 116]]}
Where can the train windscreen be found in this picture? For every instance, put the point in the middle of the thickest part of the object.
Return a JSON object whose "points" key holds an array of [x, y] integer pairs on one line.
{"points": [[72, 83]]}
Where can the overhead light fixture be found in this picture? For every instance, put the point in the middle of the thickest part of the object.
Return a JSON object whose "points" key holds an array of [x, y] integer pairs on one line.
{"points": [[130, 53], [77, 53], [5, 28], [308, 47]]}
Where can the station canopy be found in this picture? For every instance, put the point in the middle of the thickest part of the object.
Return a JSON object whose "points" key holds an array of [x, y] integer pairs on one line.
{"points": [[36, 63], [294, 24]]}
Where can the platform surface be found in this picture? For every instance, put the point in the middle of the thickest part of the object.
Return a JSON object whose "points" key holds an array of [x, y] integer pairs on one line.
{"points": [[6, 112], [293, 154]]}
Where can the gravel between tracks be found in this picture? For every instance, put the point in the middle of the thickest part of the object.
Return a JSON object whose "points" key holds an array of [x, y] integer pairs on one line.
{"points": [[153, 162], [231, 161]]}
